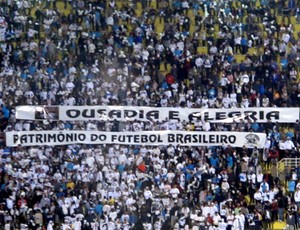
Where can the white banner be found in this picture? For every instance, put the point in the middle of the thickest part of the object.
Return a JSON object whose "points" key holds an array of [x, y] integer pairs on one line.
{"points": [[150, 138], [129, 113]]}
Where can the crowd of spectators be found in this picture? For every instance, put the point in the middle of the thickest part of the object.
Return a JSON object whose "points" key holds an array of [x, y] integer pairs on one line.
{"points": [[101, 52]]}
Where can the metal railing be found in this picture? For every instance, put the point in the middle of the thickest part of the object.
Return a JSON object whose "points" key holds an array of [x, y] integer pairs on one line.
{"points": [[287, 163]]}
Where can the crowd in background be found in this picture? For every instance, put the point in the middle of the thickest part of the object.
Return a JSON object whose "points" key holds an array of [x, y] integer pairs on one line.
{"points": [[99, 52]]}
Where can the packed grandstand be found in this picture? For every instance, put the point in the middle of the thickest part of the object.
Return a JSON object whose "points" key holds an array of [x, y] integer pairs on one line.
{"points": [[143, 114]]}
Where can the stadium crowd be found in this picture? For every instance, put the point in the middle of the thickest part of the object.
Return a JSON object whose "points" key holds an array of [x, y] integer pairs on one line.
{"points": [[104, 53]]}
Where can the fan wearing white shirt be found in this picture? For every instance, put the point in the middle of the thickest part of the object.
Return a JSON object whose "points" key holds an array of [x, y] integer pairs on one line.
{"points": [[237, 41], [226, 101], [288, 144], [223, 225], [298, 184], [198, 125], [216, 219], [29, 97], [147, 193], [225, 185], [174, 192], [224, 82], [264, 186], [206, 126], [286, 37], [271, 195], [233, 99], [213, 49], [69, 86], [230, 220], [297, 197], [77, 225], [245, 102], [265, 101], [245, 78], [205, 210], [199, 62]]}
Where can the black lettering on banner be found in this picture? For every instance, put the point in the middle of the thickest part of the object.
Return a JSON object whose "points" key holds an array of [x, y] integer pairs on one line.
{"points": [[38, 138], [121, 138], [81, 137], [179, 138], [61, 137], [251, 115], [94, 137], [113, 138], [70, 137], [232, 139], [129, 138], [85, 113], [234, 114], [102, 137], [152, 138], [101, 113], [171, 138], [212, 139], [51, 137], [188, 138], [173, 115], [207, 118], [136, 138], [159, 139], [223, 139], [141, 116], [273, 114], [73, 113], [154, 114], [194, 115], [220, 115], [194, 138], [261, 115], [23, 139], [115, 114], [204, 140], [31, 137], [130, 113], [144, 138], [15, 138], [200, 138]]}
